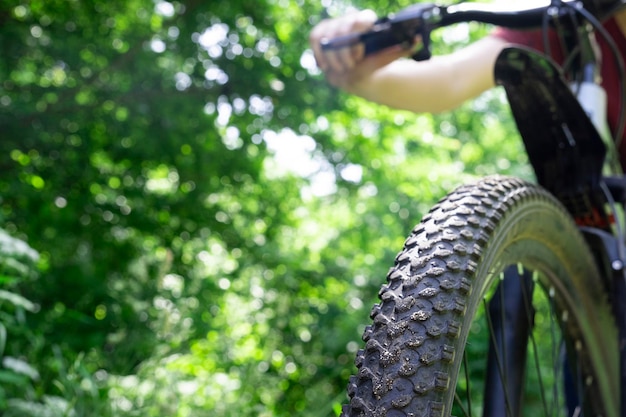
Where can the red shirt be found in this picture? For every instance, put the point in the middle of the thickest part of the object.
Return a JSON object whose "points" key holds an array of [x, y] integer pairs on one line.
{"points": [[609, 70]]}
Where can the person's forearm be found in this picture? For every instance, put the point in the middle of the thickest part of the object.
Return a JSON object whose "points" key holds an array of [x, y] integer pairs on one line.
{"points": [[440, 84], [408, 85]]}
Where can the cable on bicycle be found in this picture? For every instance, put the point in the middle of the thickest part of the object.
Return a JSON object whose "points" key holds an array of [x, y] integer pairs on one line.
{"points": [[619, 61]]}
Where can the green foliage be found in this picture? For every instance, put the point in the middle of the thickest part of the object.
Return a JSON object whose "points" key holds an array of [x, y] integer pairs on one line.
{"points": [[213, 220], [17, 375]]}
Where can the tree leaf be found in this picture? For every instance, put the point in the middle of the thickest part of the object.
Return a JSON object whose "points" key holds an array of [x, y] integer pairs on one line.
{"points": [[18, 301]]}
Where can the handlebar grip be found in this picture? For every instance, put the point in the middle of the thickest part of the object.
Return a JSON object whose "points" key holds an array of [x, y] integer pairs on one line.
{"points": [[373, 41], [340, 41], [397, 29]]}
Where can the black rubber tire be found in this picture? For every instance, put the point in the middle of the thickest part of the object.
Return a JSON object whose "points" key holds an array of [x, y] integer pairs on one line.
{"points": [[414, 347]]}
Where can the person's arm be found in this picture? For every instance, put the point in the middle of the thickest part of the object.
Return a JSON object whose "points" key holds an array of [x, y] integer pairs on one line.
{"points": [[439, 84]]}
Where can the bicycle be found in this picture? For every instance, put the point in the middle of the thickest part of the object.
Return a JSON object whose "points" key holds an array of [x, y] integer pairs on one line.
{"points": [[549, 257]]}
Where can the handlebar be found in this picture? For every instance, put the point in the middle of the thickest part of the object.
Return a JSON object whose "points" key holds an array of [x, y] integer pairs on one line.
{"points": [[422, 18]]}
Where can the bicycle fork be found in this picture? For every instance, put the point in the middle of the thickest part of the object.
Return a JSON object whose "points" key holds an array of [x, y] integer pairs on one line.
{"points": [[511, 320]]}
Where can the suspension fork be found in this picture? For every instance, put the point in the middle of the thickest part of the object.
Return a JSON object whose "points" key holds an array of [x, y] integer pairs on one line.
{"points": [[511, 320]]}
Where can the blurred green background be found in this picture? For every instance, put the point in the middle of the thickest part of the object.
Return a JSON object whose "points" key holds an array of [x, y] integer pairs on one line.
{"points": [[195, 223]]}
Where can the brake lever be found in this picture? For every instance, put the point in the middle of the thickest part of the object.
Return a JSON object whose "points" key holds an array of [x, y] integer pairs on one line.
{"points": [[398, 29]]}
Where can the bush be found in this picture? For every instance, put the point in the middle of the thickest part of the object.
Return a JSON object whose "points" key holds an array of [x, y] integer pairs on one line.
{"points": [[23, 392]]}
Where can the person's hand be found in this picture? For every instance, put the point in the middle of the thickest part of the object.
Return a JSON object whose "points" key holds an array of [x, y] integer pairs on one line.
{"points": [[347, 68]]}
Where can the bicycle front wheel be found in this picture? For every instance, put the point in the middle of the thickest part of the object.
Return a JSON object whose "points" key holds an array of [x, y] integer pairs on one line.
{"points": [[425, 350]]}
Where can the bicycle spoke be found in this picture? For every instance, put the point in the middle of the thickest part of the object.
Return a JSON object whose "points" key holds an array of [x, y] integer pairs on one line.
{"points": [[579, 378], [460, 404], [557, 360], [469, 384], [503, 322], [533, 342]]}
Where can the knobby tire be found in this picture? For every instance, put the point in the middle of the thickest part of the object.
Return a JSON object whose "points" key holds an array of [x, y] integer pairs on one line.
{"points": [[414, 349]]}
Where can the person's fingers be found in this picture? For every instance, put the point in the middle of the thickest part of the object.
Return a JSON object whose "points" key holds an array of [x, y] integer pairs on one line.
{"points": [[315, 38], [335, 60], [357, 52], [339, 79], [341, 59], [365, 19]]}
